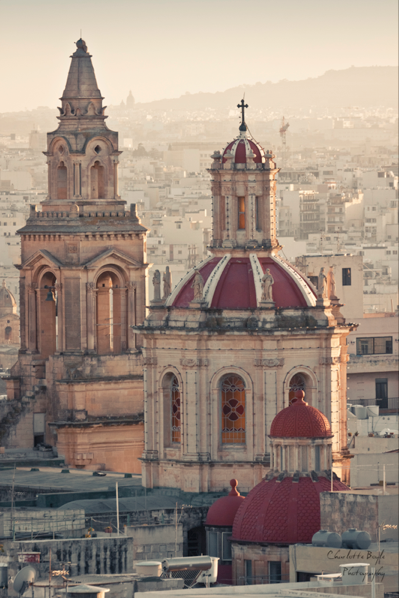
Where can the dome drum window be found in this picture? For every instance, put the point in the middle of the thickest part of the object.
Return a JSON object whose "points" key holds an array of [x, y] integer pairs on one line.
{"points": [[233, 410]]}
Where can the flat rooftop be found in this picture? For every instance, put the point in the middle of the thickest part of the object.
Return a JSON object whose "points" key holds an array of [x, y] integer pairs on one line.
{"points": [[50, 479]]}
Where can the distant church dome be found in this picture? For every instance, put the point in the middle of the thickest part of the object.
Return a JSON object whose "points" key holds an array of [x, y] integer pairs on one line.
{"points": [[223, 511], [236, 283], [8, 304], [300, 420]]}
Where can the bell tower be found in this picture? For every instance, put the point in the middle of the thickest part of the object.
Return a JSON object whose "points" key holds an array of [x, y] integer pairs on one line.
{"points": [[82, 288], [82, 154]]}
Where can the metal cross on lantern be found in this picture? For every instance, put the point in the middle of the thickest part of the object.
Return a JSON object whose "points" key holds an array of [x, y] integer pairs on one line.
{"points": [[242, 106]]}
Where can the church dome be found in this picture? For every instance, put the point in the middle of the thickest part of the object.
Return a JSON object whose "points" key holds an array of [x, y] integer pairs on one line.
{"points": [[8, 304], [283, 511], [236, 283], [223, 511], [241, 148], [300, 420]]}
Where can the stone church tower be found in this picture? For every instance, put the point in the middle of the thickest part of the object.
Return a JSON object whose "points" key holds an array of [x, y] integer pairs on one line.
{"points": [[236, 338], [82, 288]]}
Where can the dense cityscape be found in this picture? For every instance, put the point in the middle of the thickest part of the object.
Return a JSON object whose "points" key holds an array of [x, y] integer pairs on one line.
{"points": [[199, 342]]}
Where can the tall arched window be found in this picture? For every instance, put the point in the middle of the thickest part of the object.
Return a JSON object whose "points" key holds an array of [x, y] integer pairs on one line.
{"points": [[62, 181], [48, 320], [175, 410], [109, 314], [233, 410], [297, 383], [97, 181]]}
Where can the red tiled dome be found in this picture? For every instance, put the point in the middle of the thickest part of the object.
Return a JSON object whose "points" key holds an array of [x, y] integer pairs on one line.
{"points": [[300, 420], [234, 283], [240, 147], [223, 511], [283, 512]]}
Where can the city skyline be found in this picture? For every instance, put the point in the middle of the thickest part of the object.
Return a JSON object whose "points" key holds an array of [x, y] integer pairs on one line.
{"points": [[161, 50]]}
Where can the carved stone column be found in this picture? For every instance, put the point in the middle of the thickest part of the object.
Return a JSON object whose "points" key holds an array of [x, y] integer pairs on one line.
{"points": [[91, 316], [32, 317], [60, 316], [131, 315]]}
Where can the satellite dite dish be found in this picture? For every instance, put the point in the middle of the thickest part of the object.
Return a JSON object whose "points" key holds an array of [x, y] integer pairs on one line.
{"points": [[23, 579]]}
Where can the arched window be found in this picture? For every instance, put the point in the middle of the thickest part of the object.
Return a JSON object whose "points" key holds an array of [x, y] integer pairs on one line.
{"points": [[297, 383], [48, 323], [7, 333], [175, 410], [233, 410], [62, 181], [241, 213], [109, 314], [172, 403], [97, 181]]}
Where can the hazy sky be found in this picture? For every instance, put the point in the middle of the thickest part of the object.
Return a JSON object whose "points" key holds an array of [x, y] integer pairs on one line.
{"points": [[163, 48]]}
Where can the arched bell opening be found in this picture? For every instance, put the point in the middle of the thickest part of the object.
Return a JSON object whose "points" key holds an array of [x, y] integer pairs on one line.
{"points": [[62, 177], [109, 314], [48, 319], [97, 181], [297, 382], [304, 379]]}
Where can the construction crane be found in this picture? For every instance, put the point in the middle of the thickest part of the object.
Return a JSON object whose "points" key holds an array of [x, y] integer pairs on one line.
{"points": [[283, 131]]}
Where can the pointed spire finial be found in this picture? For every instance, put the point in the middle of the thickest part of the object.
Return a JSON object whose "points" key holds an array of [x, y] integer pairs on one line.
{"points": [[242, 105], [81, 45]]}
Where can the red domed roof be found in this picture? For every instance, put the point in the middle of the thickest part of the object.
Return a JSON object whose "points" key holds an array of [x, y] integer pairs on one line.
{"points": [[223, 511], [285, 512], [300, 420], [242, 146], [235, 283]]}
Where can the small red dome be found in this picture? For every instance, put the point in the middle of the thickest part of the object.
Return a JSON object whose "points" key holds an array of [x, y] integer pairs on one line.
{"points": [[283, 512], [242, 146], [223, 511], [300, 420]]}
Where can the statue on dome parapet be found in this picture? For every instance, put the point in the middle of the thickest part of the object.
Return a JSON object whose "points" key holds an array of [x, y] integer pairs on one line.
{"points": [[198, 286], [156, 281], [267, 287], [167, 283], [322, 285]]}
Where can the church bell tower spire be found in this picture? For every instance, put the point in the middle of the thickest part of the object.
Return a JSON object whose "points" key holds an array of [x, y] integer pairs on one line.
{"points": [[82, 153]]}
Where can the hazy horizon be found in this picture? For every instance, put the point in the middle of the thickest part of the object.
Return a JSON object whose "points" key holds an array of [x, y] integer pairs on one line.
{"points": [[162, 50]]}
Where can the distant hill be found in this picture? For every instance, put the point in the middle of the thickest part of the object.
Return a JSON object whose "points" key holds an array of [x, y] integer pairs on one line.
{"points": [[355, 86]]}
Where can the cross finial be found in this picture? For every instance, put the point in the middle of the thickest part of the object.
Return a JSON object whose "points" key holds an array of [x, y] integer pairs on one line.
{"points": [[243, 126]]}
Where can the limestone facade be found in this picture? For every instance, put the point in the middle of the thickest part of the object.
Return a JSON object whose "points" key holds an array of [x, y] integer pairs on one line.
{"points": [[82, 288], [222, 356], [9, 328]]}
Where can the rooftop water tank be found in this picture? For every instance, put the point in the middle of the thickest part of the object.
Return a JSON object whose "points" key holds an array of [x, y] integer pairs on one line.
{"points": [[373, 410], [360, 411], [326, 538], [354, 538], [149, 568]]}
